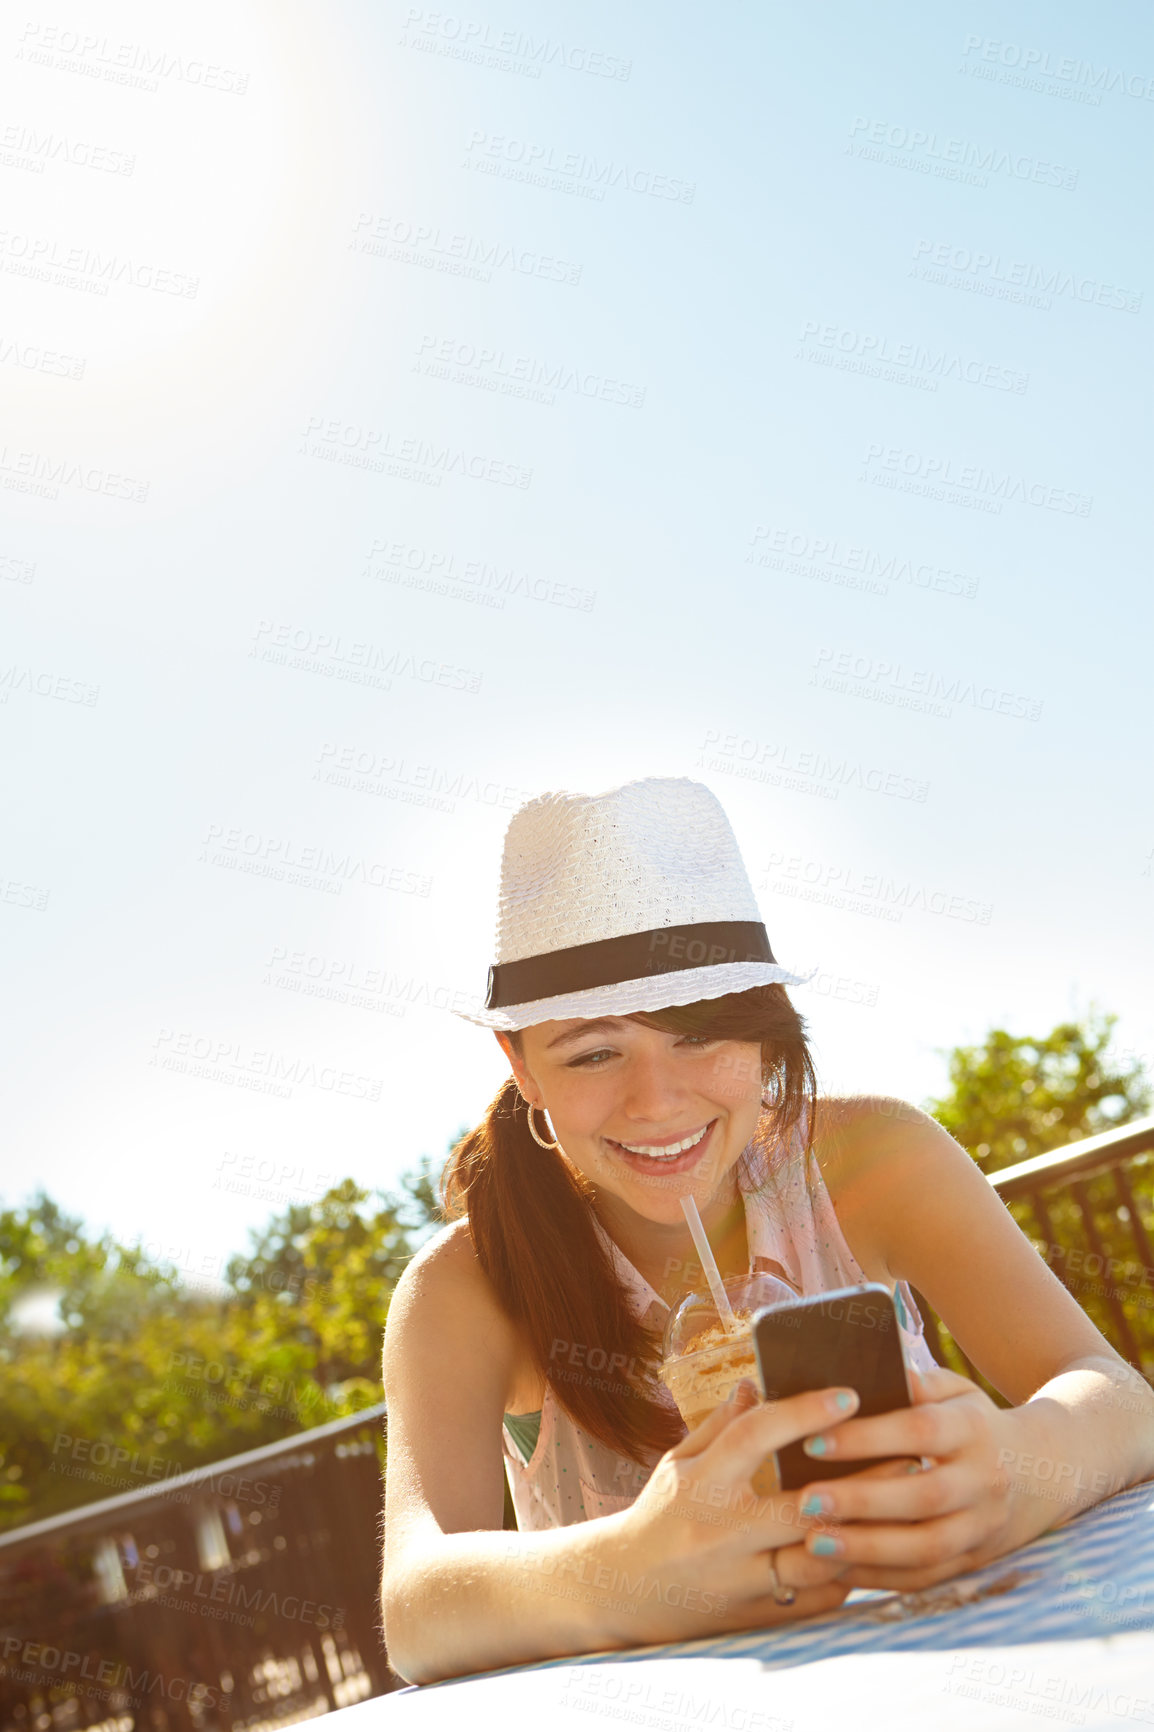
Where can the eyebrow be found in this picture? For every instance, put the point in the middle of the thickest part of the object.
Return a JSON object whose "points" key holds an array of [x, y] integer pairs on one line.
{"points": [[598, 1025]]}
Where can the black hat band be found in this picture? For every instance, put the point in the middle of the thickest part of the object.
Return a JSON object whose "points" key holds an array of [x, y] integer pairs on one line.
{"points": [[634, 956]]}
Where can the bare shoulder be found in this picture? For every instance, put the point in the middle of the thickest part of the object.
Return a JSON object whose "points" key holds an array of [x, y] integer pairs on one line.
{"points": [[853, 1110], [445, 1278], [915, 1206], [448, 1257], [854, 1129], [443, 1310], [875, 1152]]}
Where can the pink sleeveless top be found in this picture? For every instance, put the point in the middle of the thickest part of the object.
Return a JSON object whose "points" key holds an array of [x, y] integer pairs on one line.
{"points": [[793, 1233]]}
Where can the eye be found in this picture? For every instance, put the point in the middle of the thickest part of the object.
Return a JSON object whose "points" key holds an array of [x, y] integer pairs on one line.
{"points": [[585, 1062], [699, 1039]]}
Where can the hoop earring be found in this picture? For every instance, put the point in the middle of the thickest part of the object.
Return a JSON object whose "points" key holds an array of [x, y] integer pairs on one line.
{"points": [[766, 1098], [539, 1140]]}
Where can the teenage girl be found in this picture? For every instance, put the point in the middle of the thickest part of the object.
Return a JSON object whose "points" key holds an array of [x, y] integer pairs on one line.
{"points": [[654, 1053]]}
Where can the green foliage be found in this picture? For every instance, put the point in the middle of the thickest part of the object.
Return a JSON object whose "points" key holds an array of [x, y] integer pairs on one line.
{"points": [[318, 1278], [114, 1375], [45, 1257], [1016, 1095]]}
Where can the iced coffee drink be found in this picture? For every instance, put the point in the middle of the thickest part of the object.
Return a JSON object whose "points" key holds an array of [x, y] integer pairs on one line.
{"points": [[703, 1360]]}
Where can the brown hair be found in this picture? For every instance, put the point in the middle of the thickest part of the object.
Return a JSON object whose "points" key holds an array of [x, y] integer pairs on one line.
{"points": [[532, 1225]]}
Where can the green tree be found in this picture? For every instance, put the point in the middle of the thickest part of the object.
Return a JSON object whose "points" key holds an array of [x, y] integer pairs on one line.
{"points": [[1015, 1096], [115, 1375], [48, 1266], [314, 1293]]}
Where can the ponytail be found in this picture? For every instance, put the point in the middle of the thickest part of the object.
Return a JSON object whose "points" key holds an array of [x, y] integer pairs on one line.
{"points": [[532, 1225]]}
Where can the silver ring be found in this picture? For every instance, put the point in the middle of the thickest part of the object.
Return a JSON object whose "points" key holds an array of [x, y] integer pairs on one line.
{"points": [[781, 1595]]}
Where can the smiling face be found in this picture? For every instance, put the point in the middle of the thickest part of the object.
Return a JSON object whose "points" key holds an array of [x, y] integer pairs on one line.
{"points": [[647, 1116]]}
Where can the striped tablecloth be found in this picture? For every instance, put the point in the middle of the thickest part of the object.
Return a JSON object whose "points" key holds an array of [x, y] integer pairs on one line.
{"points": [[1061, 1631]]}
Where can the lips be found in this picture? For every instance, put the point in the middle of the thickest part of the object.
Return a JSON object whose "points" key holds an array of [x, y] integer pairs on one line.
{"points": [[659, 1164]]}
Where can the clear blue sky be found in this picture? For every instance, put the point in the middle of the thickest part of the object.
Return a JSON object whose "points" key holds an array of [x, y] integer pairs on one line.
{"points": [[411, 411]]}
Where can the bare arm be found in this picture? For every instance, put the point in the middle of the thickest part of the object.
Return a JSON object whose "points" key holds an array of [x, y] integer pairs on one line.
{"points": [[458, 1592], [914, 1206], [910, 1197], [459, 1595], [1085, 1418]]}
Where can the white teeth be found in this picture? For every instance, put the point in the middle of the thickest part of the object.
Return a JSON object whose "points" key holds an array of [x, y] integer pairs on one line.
{"points": [[668, 1150]]}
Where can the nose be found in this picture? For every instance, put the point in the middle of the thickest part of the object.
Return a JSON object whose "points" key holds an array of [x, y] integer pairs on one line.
{"points": [[656, 1096]]}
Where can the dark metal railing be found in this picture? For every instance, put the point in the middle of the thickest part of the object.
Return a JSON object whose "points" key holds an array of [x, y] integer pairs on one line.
{"points": [[234, 1598], [1076, 1160], [1082, 1206], [1101, 1210]]}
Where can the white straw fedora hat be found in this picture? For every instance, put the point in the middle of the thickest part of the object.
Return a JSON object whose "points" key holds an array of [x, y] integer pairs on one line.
{"points": [[634, 899]]}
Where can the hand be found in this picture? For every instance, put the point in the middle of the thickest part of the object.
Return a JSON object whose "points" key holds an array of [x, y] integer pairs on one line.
{"points": [[694, 1547], [909, 1527]]}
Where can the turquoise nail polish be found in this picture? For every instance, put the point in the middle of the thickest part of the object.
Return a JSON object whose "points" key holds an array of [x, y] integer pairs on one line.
{"points": [[815, 1446], [844, 1400], [813, 1505], [825, 1546]]}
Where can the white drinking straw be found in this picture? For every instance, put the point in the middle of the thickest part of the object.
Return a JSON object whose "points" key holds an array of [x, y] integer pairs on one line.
{"points": [[709, 1264]]}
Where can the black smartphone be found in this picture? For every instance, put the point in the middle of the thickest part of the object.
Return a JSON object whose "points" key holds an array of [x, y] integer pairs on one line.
{"points": [[846, 1339]]}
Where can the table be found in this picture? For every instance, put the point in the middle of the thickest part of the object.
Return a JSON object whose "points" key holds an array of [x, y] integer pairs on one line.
{"points": [[1061, 1631]]}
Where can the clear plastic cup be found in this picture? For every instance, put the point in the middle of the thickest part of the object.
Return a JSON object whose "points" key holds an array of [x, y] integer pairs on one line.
{"points": [[702, 1361]]}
